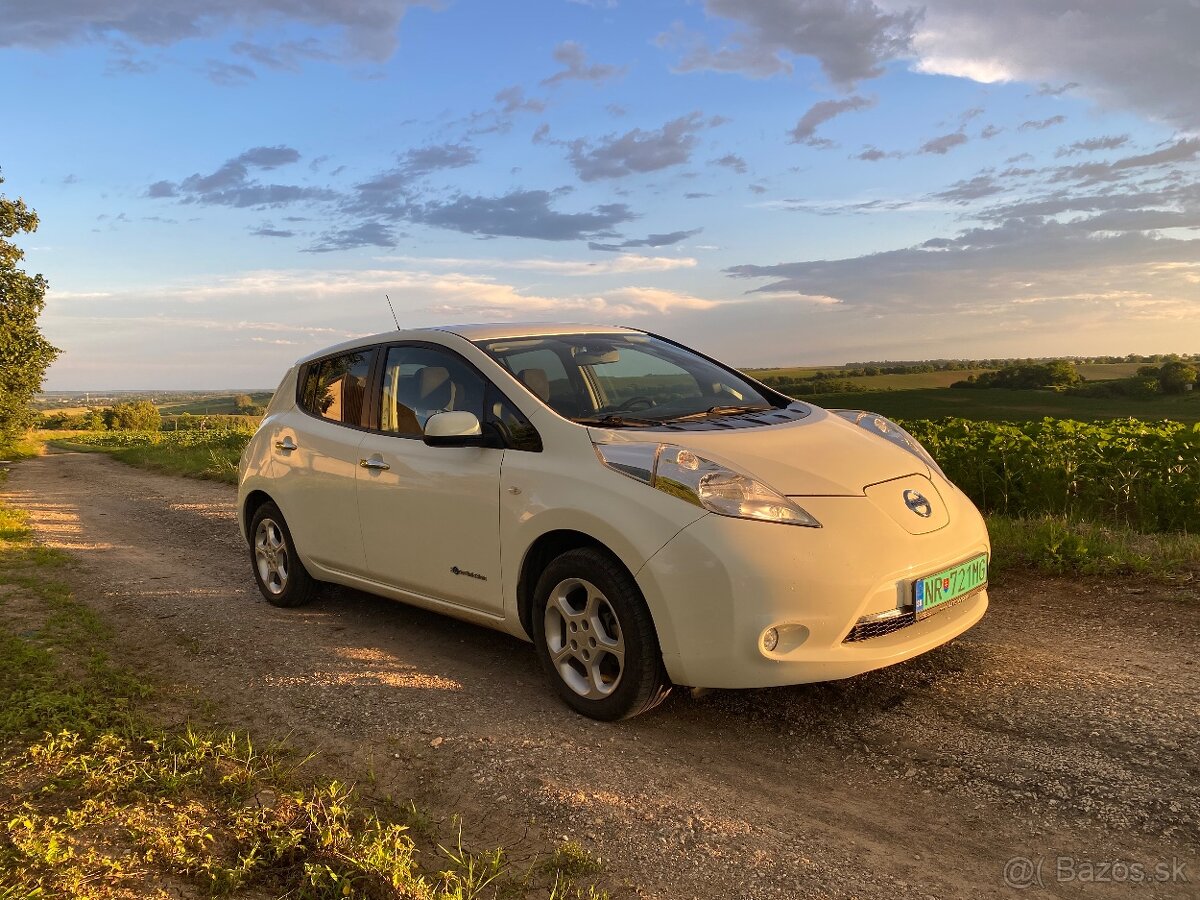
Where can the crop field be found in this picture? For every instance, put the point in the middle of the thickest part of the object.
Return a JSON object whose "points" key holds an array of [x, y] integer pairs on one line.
{"points": [[1123, 473]]}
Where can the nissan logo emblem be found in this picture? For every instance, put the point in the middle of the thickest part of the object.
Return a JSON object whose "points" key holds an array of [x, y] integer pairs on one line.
{"points": [[916, 501]]}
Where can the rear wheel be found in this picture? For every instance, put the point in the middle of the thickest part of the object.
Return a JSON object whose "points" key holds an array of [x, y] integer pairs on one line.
{"points": [[280, 574], [595, 638]]}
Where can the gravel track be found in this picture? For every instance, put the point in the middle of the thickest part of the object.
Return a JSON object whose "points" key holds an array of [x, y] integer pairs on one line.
{"points": [[1064, 724]]}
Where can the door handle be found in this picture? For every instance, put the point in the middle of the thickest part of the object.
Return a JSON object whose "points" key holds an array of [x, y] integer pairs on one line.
{"points": [[373, 463], [287, 445]]}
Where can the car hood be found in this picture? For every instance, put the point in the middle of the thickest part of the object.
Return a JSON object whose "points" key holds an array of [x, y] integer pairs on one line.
{"points": [[820, 455]]}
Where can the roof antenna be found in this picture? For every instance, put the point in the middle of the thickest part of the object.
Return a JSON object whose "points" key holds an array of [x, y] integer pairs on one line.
{"points": [[393, 309]]}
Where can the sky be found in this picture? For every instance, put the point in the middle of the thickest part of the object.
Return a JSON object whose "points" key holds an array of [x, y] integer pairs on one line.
{"points": [[227, 185]]}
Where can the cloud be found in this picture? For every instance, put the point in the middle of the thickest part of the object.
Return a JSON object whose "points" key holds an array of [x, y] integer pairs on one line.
{"points": [[513, 100], [268, 231], [1135, 55], [871, 153], [971, 189], [614, 265], [286, 57], [989, 131], [573, 59], [974, 273], [616, 156], [1183, 150], [367, 28], [943, 144], [652, 240], [231, 183], [520, 213], [821, 112], [1049, 90], [1091, 145], [851, 39], [732, 161], [368, 234], [228, 74], [390, 192], [1041, 124]]}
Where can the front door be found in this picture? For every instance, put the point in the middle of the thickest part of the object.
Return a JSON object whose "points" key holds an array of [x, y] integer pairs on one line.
{"points": [[430, 515]]}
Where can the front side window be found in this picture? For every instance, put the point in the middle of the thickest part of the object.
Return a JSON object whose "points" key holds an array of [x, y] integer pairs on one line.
{"points": [[631, 376], [419, 382], [336, 388]]}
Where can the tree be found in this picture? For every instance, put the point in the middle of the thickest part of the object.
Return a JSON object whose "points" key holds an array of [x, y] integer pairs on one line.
{"points": [[1174, 376], [140, 415], [24, 352]]}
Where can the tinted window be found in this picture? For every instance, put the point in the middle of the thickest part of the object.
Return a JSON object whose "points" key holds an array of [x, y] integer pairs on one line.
{"points": [[518, 431], [335, 388], [421, 381]]}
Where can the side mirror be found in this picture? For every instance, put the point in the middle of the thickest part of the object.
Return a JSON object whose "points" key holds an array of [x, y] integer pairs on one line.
{"points": [[454, 429]]}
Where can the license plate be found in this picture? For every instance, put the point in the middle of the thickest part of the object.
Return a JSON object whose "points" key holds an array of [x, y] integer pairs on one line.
{"points": [[934, 591]]}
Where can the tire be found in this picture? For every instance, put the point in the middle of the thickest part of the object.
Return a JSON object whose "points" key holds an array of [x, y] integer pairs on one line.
{"points": [[277, 568], [586, 602]]}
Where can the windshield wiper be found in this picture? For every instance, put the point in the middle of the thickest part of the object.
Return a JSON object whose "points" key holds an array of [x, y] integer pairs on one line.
{"points": [[718, 411], [612, 420]]}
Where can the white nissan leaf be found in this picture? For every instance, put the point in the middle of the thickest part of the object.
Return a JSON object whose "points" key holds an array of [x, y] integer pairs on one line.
{"points": [[645, 515]]}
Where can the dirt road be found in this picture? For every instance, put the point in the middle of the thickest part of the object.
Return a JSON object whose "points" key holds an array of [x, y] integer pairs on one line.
{"points": [[1064, 725]]}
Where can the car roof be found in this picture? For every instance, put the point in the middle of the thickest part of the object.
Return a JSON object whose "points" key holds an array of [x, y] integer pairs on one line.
{"points": [[477, 332]]}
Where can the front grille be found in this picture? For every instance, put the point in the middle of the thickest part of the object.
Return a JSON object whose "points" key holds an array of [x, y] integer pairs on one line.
{"points": [[879, 624], [872, 626]]}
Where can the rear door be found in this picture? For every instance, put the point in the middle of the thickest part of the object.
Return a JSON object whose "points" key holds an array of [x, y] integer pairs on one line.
{"points": [[315, 451]]}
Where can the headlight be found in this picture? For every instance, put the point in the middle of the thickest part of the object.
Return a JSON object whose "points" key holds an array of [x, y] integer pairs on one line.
{"points": [[702, 482], [890, 431]]}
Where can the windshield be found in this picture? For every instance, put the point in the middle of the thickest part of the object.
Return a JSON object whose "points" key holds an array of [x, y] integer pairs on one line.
{"points": [[631, 379]]}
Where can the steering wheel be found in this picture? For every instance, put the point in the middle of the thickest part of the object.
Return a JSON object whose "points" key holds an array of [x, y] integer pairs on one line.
{"points": [[633, 403]]}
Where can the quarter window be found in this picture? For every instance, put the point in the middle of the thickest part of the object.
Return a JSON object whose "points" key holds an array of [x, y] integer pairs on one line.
{"points": [[336, 388]]}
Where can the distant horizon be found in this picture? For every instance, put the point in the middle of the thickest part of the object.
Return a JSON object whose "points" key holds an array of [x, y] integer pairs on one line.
{"points": [[869, 362]]}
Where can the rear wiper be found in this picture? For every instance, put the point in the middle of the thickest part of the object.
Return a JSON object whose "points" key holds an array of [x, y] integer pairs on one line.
{"points": [[614, 421], [719, 411]]}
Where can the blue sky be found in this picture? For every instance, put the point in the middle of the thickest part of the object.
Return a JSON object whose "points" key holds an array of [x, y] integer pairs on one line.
{"points": [[225, 186]]}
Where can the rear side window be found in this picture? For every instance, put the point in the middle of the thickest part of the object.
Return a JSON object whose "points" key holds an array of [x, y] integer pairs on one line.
{"points": [[336, 388]]}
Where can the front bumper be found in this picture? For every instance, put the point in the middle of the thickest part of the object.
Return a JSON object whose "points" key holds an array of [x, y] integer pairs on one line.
{"points": [[721, 582]]}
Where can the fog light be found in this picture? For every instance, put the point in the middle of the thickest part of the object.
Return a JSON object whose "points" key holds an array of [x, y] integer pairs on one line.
{"points": [[770, 639]]}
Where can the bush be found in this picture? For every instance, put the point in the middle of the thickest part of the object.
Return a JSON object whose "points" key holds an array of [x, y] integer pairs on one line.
{"points": [[140, 415]]}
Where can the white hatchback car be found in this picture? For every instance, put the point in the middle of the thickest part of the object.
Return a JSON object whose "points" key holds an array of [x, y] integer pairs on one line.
{"points": [[644, 514]]}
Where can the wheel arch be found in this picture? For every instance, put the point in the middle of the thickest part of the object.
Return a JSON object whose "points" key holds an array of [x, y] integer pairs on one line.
{"points": [[254, 501], [541, 552]]}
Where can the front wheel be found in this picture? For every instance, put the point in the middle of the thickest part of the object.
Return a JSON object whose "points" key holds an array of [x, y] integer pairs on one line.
{"points": [[280, 574], [595, 638]]}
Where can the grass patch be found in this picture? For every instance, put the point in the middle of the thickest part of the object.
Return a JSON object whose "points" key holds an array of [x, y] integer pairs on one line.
{"points": [[1060, 546], [212, 455], [98, 801], [22, 449]]}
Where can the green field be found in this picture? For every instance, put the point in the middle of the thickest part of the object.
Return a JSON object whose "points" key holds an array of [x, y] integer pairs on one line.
{"points": [[213, 404], [922, 380], [999, 405]]}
